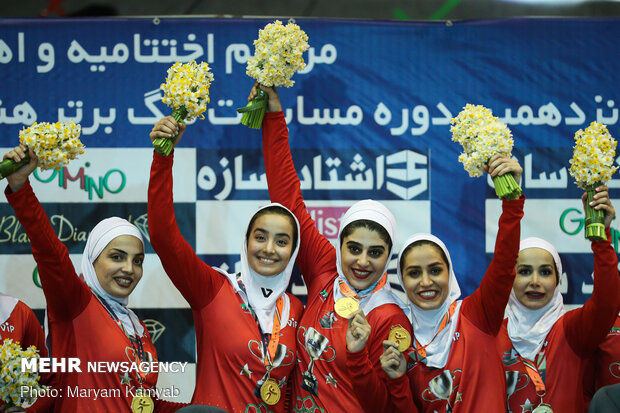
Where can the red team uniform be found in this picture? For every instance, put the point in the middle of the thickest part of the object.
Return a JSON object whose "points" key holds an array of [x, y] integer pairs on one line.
{"points": [[322, 381], [574, 337], [80, 326], [607, 359], [229, 349], [18, 323], [472, 378]]}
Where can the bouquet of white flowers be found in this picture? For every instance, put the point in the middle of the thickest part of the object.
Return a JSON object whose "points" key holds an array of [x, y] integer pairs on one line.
{"points": [[55, 144], [186, 91], [592, 165], [12, 378], [482, 135], [277, 56]]}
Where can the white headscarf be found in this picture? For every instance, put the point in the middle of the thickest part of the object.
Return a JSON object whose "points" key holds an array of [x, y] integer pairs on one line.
{"points": [[7, 304], [426, 322], [257, 286], [377, 212], [527, 328], [103, 233]]}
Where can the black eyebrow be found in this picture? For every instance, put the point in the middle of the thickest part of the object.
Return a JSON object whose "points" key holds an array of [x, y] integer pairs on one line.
{"points": [[372, 246], [124, 252], [281, 234]]}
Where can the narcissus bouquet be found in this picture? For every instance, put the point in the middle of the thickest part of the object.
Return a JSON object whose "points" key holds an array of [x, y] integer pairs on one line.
{"points": [[592, 165], [186, 91], [12, 378], [277, 56], [55, 144], [482, 135]]}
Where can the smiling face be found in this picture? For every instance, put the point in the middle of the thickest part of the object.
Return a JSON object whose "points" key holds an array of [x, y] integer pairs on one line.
{"points": [[119, 266], [426, 276], [363, 257], [270, 244], [536, 278]]}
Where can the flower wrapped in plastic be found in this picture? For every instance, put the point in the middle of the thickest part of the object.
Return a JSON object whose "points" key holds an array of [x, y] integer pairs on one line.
{"points": [[12, 378], [186, 91], [55, 144], [278, 54], [592, 165], [482, 135]]}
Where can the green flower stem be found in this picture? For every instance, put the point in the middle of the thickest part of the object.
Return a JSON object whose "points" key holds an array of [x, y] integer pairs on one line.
{"points": [[164, 146], [595, 219], [8, 166], [506, 187], [254, 111]]}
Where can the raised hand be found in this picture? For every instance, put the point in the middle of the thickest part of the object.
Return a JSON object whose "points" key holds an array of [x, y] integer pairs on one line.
{"points": [[357, 332], [393, 362], [18, 178]]}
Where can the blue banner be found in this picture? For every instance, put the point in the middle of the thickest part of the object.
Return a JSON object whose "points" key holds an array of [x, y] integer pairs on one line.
{"points": [[369, 117]]}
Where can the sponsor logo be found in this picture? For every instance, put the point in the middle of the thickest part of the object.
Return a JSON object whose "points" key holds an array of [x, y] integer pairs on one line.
{"points": [[324, 174], [327, 219], [113, 181], [572, 222]]}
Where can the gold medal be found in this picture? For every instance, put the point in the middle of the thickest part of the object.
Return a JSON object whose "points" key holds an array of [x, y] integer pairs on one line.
{"points": [[543, 408], [270, 392], [400, 336], [142, 404], [346, 306]]}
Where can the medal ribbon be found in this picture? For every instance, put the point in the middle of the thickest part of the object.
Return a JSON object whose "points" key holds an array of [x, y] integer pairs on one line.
{"points": [[136, 343], [532, 372], [348, 292], [420, 350], [269, 343]]}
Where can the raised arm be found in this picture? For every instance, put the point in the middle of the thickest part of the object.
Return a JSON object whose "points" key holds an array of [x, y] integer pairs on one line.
{"points": [[586, 327], [196, 281], [316, 254], [485, 307], [65, 293]]}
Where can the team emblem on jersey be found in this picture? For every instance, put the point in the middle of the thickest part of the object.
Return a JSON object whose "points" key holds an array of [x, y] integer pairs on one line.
{"points": [[510, 357], [515, 381], [318, 348], [614, 369], [9, 328], [328, 320], [256, 349], [442, 387]]}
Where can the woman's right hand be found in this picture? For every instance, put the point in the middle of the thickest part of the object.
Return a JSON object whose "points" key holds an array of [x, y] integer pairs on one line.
{"points": [[393, 362], [358, 332], [18, 178]]}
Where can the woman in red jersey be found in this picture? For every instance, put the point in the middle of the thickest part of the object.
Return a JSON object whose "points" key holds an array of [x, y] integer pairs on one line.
{"points": [[544, 349], [246, 321], [452, 363], [89, 319], [604, 367], [353, 274], [18, 323]]}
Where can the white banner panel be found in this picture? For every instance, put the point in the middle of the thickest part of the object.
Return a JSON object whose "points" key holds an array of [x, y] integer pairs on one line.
{"points": [[221, 226], [559, 221], [111, 175], [155, 289]]}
